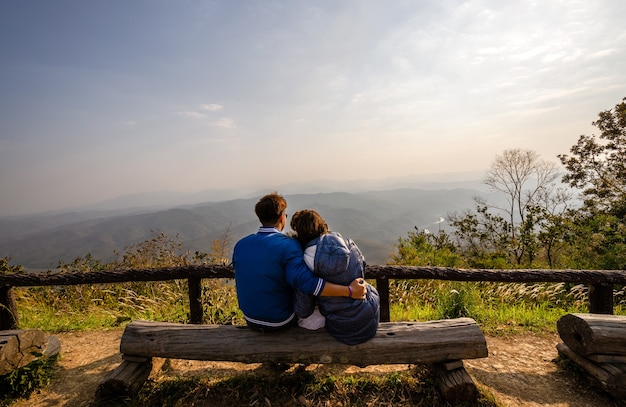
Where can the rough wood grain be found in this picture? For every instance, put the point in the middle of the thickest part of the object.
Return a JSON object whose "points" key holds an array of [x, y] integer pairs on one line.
{"points": [[20, 347], [126, 379], [588, 334], [371, 271], [607, 358], [402, 342], [455, 384], [611, 376]]}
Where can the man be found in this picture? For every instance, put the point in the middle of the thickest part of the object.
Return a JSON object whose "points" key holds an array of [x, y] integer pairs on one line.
{"points": [[269, 265]]}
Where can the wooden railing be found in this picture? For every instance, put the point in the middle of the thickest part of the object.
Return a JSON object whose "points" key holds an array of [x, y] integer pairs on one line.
{"points": [[600, 282]]}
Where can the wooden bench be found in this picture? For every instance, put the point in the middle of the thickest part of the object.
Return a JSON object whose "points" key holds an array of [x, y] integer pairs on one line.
{"points": [[443, 344], [597, 344], [20, 347]]}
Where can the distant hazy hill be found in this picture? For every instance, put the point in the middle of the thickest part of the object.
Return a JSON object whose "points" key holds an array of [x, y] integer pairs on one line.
{"points": [[375, 220]]}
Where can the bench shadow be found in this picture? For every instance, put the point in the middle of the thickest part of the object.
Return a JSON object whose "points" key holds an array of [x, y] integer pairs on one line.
{"points": [[92, 374], [220, 369], [521, 385]]}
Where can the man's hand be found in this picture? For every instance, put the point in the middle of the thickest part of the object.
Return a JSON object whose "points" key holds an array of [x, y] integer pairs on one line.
{"points": [[358, 289]]}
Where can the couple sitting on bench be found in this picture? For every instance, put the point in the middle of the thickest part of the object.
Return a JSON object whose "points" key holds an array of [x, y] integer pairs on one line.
{"points": [[314, 279], [276, 289]]}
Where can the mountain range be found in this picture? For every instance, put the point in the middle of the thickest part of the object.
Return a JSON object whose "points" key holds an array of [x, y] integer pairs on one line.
{"points": [[374, 219]]}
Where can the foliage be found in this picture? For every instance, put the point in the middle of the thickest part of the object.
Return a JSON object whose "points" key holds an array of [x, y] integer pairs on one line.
{"points": [[538, 225], [158, 251], [498, 307], [597, 165], [421, 248], [600, 241], [527, 228], [6, 268], [94, 306], [457, 302], [22, 382], [482, 238]]}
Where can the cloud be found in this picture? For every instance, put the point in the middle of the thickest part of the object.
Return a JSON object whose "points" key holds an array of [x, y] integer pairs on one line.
{"points": [[211, 107], [199, 113], [225, 123]]}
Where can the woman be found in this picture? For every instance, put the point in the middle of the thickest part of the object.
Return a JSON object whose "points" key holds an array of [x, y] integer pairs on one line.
{"points": [[338, 260]]}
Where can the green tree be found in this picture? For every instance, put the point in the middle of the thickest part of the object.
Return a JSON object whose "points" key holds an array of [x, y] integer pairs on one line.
{"points": [[598, 241], [422, 248], [482, 238], [551, 224], [596, 165]]}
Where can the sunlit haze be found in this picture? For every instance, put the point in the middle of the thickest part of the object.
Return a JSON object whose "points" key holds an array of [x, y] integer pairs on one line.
{"points": [[105, 98]]}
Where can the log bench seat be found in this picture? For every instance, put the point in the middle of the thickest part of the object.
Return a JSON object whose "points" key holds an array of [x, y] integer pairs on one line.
{"points": [[597, 344], [443, 344]]}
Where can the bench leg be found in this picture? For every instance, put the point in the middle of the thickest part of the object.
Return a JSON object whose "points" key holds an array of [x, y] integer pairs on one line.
{"points": [[126, 379], [454, 383]]}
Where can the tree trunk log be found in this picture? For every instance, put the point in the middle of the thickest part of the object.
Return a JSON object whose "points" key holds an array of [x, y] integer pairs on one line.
{"points": [[125, 380], [405, 342], [455, 384], [612, 376], [371, 272], [599, 358], [588, 334], [20, 347]]}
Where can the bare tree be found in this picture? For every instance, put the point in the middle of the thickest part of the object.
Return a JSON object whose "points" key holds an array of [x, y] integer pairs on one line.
{"points": [[526, 181]]}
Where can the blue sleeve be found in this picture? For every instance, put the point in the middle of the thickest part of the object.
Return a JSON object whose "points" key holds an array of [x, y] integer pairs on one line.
{"points": [[303, 304], [297, 273]]}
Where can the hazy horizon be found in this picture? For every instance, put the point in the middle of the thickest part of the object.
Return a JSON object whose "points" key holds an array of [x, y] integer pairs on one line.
{"points": [[106, 99], [170, 198]]}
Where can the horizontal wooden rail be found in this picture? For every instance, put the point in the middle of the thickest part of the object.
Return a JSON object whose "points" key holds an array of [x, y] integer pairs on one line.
{"points": [[371, 272], [600, 282]]}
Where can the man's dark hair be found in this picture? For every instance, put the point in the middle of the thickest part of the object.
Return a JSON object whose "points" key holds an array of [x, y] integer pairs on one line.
{"points": [[269, 208]]}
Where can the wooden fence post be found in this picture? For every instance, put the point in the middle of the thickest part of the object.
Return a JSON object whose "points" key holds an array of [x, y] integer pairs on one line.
{"points": [[195, 300], [8, 309], [382, 285], [600, 298]]}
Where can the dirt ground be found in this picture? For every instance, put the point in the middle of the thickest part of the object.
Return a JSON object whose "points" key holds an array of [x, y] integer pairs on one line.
{"points": [[521, 370]]}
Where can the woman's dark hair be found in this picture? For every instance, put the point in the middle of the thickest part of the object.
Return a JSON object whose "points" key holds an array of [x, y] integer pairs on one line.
{"points": [[270, 208], [308, 225]]}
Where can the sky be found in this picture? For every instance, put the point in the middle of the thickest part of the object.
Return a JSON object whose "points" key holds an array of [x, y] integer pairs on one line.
{"points": [[105, 98]]}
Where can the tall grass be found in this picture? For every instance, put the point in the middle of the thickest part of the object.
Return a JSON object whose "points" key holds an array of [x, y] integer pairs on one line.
{"points": [[98, 306], [497, 307]]}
